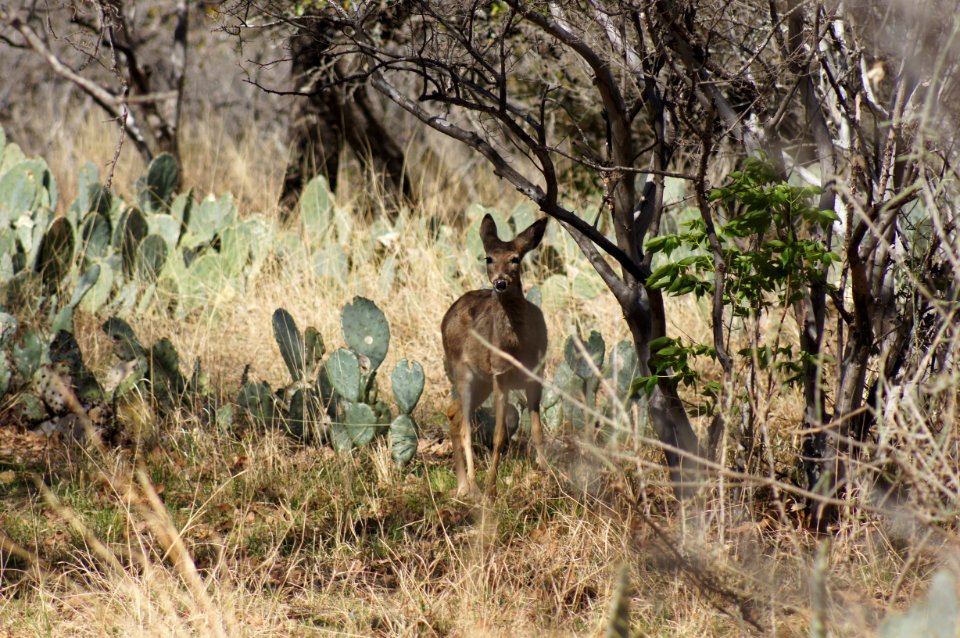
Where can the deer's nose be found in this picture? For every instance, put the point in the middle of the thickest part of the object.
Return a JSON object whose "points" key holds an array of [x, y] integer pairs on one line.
{"points": [[500, 284]]}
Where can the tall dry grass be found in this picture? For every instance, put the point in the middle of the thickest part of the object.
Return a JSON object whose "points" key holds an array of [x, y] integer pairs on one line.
{"points": [[195, 532]]}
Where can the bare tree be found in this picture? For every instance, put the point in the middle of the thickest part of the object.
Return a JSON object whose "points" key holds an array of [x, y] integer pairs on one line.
{"points": [[101, 48]]}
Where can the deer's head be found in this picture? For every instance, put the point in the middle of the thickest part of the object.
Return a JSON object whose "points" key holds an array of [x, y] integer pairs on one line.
{"points": [[504, 257]]}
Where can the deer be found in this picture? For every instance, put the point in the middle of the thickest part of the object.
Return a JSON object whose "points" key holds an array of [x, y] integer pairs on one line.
{"points": [[476, 329]]}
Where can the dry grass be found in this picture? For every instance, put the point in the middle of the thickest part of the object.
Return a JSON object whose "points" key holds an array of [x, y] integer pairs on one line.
{"points": [[191, 531]]}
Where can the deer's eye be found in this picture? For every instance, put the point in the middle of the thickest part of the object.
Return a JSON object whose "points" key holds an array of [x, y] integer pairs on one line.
{"points": [[515, 260], [489, 259]]}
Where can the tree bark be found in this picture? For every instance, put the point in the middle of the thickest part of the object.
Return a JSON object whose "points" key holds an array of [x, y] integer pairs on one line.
{"points": [[330, 118]]}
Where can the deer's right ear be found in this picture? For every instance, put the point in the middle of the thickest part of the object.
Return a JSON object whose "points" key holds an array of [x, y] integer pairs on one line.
{"points": [[488, 232]]}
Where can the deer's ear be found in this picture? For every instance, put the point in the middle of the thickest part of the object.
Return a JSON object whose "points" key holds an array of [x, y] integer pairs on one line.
{"points": [[532, 236], [488, 232]]}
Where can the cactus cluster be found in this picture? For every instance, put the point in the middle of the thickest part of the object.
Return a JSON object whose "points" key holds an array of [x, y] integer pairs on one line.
{"points": [[338, 399], [575, 401], [167, 249]]}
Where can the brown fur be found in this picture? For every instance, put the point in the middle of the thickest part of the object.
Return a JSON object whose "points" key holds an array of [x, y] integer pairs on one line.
{"points": [[503, 318]]}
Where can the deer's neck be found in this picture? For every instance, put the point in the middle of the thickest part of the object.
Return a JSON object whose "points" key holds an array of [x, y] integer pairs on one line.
{"points": [[512, 306]]}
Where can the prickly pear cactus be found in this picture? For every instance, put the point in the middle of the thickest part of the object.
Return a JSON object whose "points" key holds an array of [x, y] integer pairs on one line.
{"points": [[340, 438], [132, 232], [343, 371], [6, 373], [56, 253], [407, 382], [28, 354], [208, 220], [155, 189], [403, 439], [65, 356], [167, 384], [624, 367], [559, 405], [313, 347], [91, 194], [485, 423], [98, 296], [95, 234], [316, 207], [366, 330], [151, 255], [291, 343], [8, 325], [258, 401], [305, 414], [125, 343], [64, 318], [166, 226], [583, 366], [361, 422]]}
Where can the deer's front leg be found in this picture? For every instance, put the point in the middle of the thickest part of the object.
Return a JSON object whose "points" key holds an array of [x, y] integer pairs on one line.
{"points": [[472, 394]]}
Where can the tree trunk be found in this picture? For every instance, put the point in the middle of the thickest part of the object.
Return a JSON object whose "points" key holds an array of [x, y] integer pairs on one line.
{"points": [[646, 320], [329, 118]]}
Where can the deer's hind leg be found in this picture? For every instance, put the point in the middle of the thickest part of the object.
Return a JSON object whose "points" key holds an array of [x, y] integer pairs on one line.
{"points": [[534, 392], [500, 395]]}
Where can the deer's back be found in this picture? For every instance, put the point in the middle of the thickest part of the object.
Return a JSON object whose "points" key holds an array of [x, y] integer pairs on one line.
{"points": [[517, 328]]}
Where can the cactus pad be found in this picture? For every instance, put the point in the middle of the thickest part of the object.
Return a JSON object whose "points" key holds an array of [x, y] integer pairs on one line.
{"points": [[313, 347], [258, 401], [290, 341], [304, 413], [95, 235], [87, 281], [315, 209], [28, 354], [340, 438], [361, 422], [56, 253], [366, 330], [573, 355], [403, 439], [19, 191], [343, 370], [100, 293], [6, 373], [151, 256], [65, 353], [8, 327], [625, 367], [407, 382], [485, 423], [132, 233], [126, 345], [157, 186], [168, 384]]}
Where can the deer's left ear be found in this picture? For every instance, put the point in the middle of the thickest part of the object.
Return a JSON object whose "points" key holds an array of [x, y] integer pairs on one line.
{"points": [[532, 236]]}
